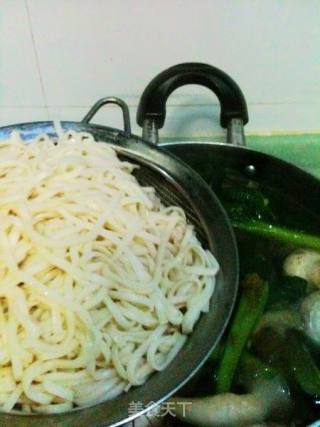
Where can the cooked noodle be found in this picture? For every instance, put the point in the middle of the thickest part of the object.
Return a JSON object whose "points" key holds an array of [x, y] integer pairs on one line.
{"points": [[100, 284]]}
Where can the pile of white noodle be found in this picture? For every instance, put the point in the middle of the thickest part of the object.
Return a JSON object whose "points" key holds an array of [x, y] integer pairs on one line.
{"points": [[100, 284]]}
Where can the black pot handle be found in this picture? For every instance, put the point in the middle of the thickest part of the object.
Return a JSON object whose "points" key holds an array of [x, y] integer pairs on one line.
{"points": [[152, 106]]}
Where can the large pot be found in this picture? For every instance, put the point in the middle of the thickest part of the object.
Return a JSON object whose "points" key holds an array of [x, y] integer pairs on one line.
{"points": [[215, 161], [210, 158]]}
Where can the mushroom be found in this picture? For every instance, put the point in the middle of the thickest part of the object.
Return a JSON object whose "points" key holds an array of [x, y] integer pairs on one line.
{"points": [[280, 320], [310, 311], [229, 409], [304, 263]]}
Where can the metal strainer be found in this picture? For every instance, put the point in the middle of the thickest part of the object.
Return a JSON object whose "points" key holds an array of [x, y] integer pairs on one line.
{"points": [[176, 184]]}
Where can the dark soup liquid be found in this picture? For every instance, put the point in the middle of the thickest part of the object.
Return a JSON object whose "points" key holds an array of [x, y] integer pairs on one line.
{"points": [[271, 349]]}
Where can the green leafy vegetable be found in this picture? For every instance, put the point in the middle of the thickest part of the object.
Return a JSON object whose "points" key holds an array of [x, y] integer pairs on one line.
{"points": [[301, 363], [249, 210], [252, 370], [287, 290], [289, 353], [244, 203]]}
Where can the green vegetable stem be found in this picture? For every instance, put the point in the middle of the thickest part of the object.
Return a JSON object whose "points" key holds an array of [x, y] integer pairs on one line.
{"points": [[253, 299], [270, 231]]}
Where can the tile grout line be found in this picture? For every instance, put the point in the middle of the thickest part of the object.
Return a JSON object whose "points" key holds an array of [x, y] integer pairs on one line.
{"points": [[176, 104], [37, 59]]}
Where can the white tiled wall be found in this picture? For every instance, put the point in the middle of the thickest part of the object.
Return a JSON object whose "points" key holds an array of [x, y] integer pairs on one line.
{"points": [[57, 57]]}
